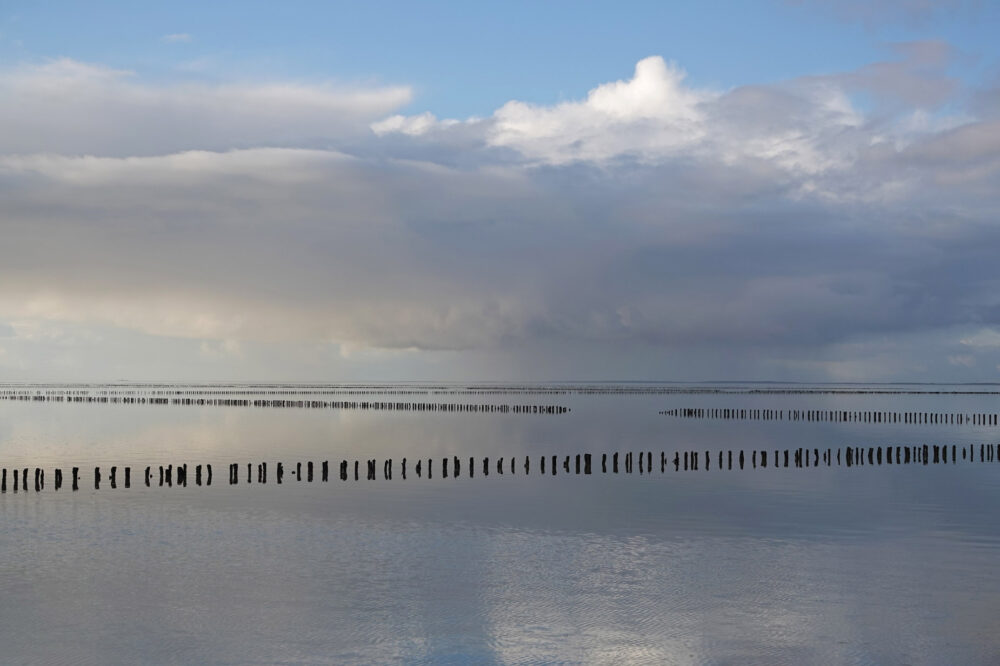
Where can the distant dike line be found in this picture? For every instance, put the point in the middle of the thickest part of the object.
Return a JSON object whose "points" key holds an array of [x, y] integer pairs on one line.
{"points": [[541, 388], [615, 463]]}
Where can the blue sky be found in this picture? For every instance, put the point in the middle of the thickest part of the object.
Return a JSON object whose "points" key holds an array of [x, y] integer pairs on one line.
{"points": [[469, 58], [770, 190]]}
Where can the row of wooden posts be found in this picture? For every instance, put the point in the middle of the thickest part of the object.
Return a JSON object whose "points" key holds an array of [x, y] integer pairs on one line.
{"points": [[837, 416], [170, 475], [377, 405]]}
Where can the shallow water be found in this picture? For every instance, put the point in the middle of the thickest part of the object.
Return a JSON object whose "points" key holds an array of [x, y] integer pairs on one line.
{"points": [[867, 564]]}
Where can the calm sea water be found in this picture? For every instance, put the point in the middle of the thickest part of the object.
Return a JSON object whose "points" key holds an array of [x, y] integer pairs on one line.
{"points": [[868, 564]]}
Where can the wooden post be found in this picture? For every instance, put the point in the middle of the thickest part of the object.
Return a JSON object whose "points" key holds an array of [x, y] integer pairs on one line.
{"points": [[586, 463], [76, 479], [128, 477], [97, 478]]}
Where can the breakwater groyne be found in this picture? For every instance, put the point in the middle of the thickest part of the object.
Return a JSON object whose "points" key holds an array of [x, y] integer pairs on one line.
{"points": [[24, 479], [836, 416], [284, 403]]}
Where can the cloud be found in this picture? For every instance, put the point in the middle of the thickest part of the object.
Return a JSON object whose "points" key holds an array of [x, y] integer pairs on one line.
{"points": [[764, 227], [984, 338], [966, 360], [176, 38], [804, 126], [70, 107]]}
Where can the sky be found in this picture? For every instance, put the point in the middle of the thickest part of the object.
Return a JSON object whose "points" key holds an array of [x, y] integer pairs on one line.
{"points": [[793, 190]]}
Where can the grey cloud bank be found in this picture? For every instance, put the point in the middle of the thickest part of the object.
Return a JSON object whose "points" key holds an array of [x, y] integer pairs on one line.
{"points": [[649, 230]]}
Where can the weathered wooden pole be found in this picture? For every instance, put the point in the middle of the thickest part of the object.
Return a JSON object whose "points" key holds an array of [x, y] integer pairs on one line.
{"points": [[128, 477], [97, 478], [586, 463]]}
